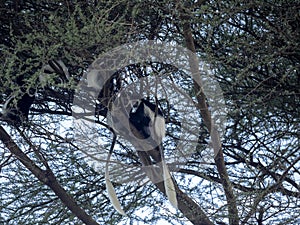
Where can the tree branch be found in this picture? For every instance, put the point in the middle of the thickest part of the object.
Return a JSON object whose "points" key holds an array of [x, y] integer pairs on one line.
{"points": [[46, 177], [191, 210], [202, 105]]}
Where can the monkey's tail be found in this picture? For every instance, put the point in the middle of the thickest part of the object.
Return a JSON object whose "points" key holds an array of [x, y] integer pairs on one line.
{"points": [[111, 191], [169, 185]]}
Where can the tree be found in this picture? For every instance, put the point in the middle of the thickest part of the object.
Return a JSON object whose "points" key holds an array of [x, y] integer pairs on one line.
{"points": [[253, 52]]}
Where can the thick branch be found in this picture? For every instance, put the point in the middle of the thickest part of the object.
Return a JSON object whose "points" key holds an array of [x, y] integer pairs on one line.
{"points": [[46, 177], [191, 210], [201, 98]]}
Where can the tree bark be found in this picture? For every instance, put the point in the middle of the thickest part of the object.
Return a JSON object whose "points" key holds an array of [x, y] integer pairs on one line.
{"points": [[208, 121], [46, 177], [191, 210]]}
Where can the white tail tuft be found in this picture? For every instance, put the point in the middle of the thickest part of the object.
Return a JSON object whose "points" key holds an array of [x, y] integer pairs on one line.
{"points": [[111, 192], [169, 185]]}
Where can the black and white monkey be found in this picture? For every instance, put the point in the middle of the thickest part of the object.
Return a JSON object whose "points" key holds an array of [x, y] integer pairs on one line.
{"points": [[16, 108], [148, 120]]}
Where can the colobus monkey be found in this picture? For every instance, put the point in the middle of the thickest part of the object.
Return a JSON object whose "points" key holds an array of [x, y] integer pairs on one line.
{"points": [[16, 108], [149, 121]]}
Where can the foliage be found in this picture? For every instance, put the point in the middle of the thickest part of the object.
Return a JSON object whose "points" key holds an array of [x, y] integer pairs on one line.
{"points": [[253, 50]]}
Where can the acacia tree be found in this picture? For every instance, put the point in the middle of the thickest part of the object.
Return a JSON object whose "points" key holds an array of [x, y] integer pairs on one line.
{"points": [[253, 49]]}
